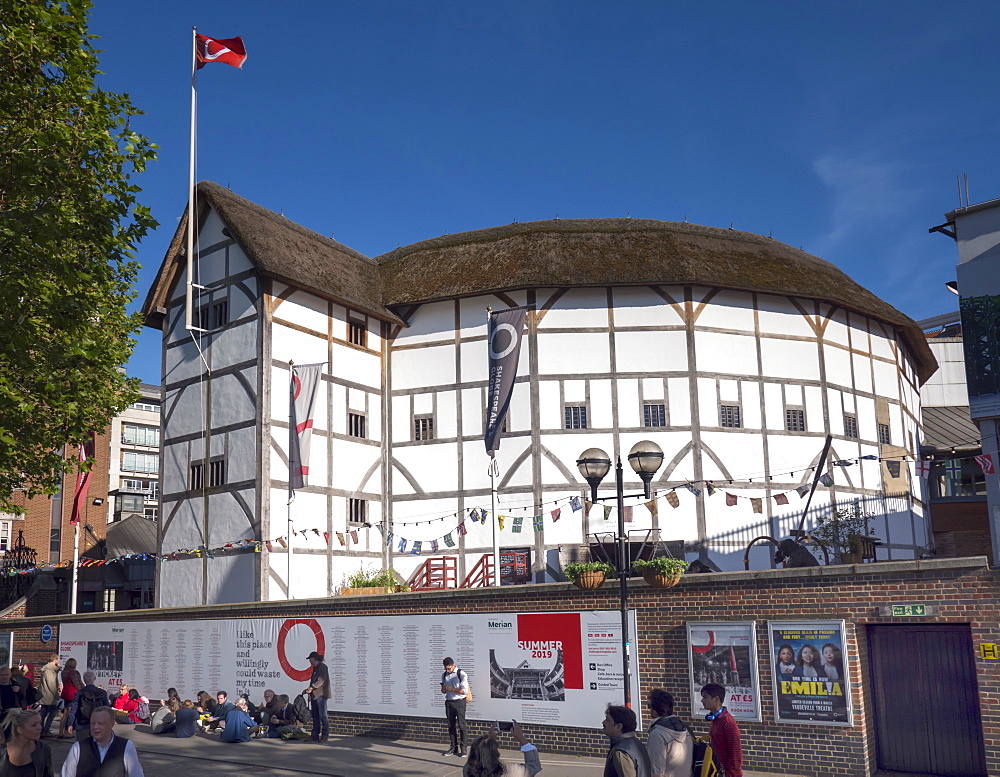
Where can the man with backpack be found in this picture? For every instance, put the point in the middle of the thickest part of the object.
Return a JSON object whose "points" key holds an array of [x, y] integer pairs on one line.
{"points": [[627, 756], [722, 730], [670, 743], [87, 699], [455, 687]]}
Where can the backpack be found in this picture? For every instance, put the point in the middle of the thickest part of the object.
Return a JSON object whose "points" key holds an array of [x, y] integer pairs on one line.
{"points": [[301, 708], [142, 711], [705, 763], [89, 701], [461, 676]]}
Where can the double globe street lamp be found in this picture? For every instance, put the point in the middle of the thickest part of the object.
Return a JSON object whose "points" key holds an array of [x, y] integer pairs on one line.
{"points": [[645, 458]]}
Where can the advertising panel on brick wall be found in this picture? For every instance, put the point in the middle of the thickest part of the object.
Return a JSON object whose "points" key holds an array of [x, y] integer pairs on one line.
{"points": [[809, 665], [560, 669], [725, 653]]}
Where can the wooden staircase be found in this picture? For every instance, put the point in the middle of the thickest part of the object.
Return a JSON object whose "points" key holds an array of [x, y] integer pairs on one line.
{"points": [[440, 572]]}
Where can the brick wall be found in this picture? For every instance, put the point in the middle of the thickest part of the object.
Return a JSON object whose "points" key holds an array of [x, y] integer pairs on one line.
{"points": [[963, 591]]}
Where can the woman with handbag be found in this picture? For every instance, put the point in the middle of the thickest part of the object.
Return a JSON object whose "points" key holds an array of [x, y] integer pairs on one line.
{"points": [[71, 683]]}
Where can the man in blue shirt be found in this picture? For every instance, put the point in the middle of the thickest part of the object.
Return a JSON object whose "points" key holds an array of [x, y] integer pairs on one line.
{"points": [[455, 687], [221, 710]]}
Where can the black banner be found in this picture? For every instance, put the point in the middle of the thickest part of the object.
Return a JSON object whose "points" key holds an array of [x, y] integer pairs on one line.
{"points": [[503, 342]]}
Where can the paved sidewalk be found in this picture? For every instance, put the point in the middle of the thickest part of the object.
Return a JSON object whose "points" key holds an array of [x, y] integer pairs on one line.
{"points": [[167, 756]]}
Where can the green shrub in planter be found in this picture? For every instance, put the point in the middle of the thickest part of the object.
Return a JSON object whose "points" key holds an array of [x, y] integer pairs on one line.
{"points": [[573, 571], [662, 565]]}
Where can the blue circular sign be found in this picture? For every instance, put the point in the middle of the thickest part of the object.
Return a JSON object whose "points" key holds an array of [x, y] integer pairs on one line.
{"points": [[46, 633]]}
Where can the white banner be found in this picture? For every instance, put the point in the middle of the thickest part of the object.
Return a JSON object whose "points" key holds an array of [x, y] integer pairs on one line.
{"points": [[561, 669]]}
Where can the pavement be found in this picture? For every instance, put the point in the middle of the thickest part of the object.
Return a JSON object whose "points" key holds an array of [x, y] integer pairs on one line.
{"points": [[342, 756]]}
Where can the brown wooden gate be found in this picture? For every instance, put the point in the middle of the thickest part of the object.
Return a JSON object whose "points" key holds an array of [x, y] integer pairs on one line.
{"points": [[926, 700]]}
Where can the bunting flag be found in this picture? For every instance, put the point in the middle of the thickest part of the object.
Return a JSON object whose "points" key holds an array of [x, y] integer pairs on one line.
{"points": [[537, 521], [449, 541], [826, 479], [415, 550], [730, 500], [516, 528], [462, 531], [607, 512], [574, 502], [340, 539], [757, 503], [326, 538], [651, 506], [482, 515], [803, 491], [267, 543], [228, 51], [627, 514], [710, 488], [401, 547], [893, 467], [305, 380], [281, 542], [780, 499], [501, 519], [586, 508], [380, 527], [985, 462], [87, 452], [923, 469], [673, 500], [556, 513], [354, 536], [388, 539], [691, 487]]}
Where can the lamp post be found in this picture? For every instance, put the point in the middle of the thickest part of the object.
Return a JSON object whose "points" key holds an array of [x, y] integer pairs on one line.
{"points": [[645, 458]]}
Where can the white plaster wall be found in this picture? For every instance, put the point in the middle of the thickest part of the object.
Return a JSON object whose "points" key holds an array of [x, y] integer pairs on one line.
{"points": [[561, 353], [728, 310], [289, 344], [641, 306], [727, 354], [644, 352], [947, 387], [576, 308], [422, 367], [791, 359], [777, 315]]}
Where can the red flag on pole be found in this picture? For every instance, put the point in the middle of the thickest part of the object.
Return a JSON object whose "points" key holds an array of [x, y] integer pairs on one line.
{"points": [[87, 451], [229, 51]]}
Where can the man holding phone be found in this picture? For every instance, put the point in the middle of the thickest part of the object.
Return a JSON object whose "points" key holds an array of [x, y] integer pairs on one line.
{"points": [[455, 687]]}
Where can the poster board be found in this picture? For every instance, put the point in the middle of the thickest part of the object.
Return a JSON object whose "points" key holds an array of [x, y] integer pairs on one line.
{"points": [[6, 648], [725, 653], [808, 664], [559, 669]]}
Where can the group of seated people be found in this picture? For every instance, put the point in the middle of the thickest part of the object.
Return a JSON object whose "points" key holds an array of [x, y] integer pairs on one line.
{"points": [[239, 721]]}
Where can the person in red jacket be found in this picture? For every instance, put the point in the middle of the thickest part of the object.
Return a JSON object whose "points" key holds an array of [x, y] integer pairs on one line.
{"points": [[722, 730]]}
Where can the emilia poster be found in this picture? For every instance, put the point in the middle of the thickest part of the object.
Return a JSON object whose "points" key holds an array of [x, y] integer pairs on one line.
{"points": [[725, 653], [808, 661]]}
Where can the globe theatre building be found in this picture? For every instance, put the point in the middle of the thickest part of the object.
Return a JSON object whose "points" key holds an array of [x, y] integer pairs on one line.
{"points": [[735, 353]]}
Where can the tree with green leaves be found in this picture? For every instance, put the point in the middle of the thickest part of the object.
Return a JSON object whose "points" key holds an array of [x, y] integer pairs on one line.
{"points": [[69, 225]]}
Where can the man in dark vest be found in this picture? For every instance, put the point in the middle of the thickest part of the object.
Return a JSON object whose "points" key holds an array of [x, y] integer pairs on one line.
{"points": [[627, 756], [103, 754]]}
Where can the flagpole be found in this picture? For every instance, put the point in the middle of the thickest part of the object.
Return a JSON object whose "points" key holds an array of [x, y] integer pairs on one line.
{"points": [[291, 498], [189, 289], [494, 471], [76, 569]]}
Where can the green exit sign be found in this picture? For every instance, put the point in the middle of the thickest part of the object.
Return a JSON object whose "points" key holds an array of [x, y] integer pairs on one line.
{"points": [[908, 609]]}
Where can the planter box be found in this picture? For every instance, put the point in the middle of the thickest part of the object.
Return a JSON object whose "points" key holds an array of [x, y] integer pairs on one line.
{"points": [[588, 581], [375, 590]]}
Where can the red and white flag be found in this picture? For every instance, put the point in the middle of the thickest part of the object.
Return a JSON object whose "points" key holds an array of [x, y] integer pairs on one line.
{"points": [[87, 452], [986, 462], [923, 469], [229, 51], [305, 382]]}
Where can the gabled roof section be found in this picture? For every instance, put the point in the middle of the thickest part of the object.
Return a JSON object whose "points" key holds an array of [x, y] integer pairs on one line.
{"points": [[280, 249]]}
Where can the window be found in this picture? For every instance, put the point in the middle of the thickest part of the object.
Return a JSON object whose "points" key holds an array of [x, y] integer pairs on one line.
{"points": [[109, 599], [130, 503], [356, 424], [654, 415], [216, 473], [576, 416], [220, 313], [729, 415], [851, 426], [150, 488], [133, 434], [883, 434], [423, 428], [357, 511], [151, 513], [140, 462], [5, 535], [54, 537], [195, 478], [357, 333], [147, 406], [956, 478], [795, 420]]}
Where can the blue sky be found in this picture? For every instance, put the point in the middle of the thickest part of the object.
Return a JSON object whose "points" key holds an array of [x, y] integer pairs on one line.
{"points": [[838, 127]]}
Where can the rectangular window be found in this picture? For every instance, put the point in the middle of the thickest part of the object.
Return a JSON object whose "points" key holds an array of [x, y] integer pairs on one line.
{"points": [[423, 428], [5, 535], [131, 503], [356, 424], [220, 313], [883, 434], [133, 434], [216, 473], [729, 415], [195, 477], [654, 415], [795, 420], [357, 333], [851, 426], [54, 538], [151, 513], [140, 462], [576, 417], [357, 511], [147, 406], [109, 599]]}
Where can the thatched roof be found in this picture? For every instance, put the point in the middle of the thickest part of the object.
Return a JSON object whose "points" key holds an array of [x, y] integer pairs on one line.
{"points": [[545, 254]]}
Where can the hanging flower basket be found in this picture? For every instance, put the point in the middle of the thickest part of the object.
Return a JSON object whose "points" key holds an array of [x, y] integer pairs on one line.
{"points": [[661, 572], [588, 581], [588, 575], [661, 579]]}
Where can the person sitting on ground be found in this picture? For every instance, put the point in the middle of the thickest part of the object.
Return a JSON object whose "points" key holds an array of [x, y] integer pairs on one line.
{"points": [[222, 708], [127, 704], [251, 707], [23, 753], [163, 720], [266, 708], [186, 720], [171, 694], [87, 699], [284, 720], [670, 743], [484, 757], [238, 723], [206, 704]]}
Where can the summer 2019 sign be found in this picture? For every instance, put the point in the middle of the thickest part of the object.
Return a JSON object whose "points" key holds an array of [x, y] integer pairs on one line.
{"points": [[809, 666], [555, 668], [725, 653]]}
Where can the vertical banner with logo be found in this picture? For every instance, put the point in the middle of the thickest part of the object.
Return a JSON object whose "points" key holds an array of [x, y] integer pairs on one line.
{"points": [[809, 665], [503, 341], [725, 653], [302, 398]]}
